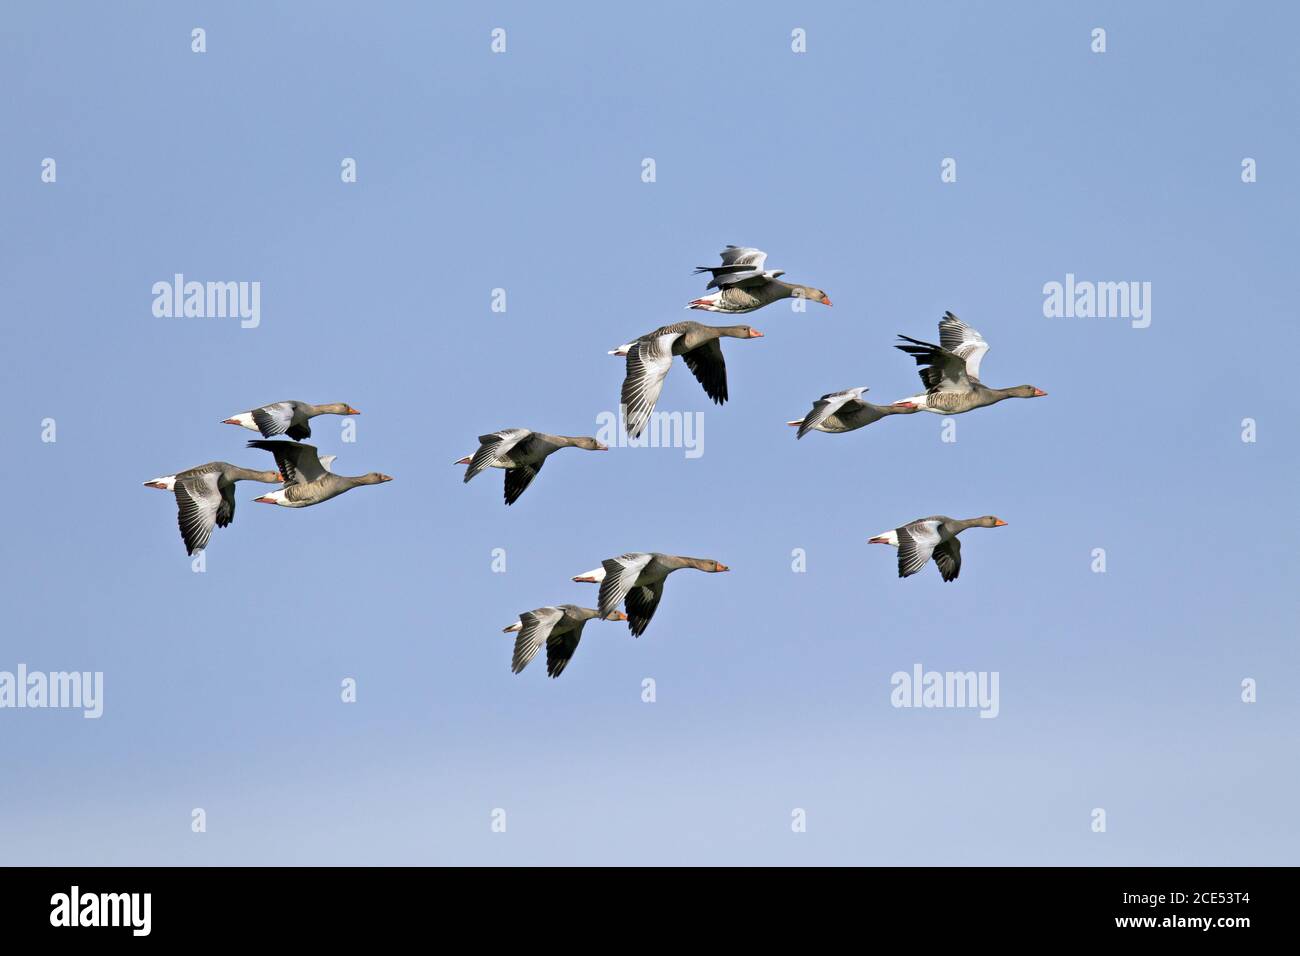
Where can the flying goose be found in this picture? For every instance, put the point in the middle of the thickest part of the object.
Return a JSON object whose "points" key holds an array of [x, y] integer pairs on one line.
{"points": [[205, 497], [919, 540], [636, 580], [651, 356], [744, 285], [287, 418], [560, 627], [844, 411], [951, 371], [307, 480], [521, 452]]}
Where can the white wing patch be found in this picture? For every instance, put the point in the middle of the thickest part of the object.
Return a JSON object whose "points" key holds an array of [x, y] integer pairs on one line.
{"points": [[963, 341], [916, 542], [492, 447], [537, 625], [648, 363], [620, 576], [826, 406]]}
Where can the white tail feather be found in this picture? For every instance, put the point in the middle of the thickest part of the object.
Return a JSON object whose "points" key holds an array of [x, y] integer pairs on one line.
{"points": [[709, 303], [244, 420]]}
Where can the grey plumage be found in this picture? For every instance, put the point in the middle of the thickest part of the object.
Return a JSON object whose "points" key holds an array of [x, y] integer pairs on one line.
{"points": [[933, 537], [740, 265], [650, 357], [205, 498], [521, 452], [636, 580], [845, 411], [289, 417], [307, 481], [950, 371], [745, 285], [559, 627]]}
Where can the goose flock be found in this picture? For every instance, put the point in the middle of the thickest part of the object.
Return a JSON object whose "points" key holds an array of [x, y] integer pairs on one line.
{"points": [[205, 495], [632, 584]]}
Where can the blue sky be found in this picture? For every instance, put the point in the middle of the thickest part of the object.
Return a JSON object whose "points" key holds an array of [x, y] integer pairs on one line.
{"points": [[522, 171]]}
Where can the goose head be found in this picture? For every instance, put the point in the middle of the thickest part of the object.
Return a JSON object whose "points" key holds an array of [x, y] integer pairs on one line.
{"points": [[808, 292]]}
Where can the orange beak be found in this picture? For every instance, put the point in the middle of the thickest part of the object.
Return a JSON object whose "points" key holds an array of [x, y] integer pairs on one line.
{"points": [[280, 475], [230, 421], [265, 500], [877, 540], [586, 579], [721, 567], [352, 411], [826, 300], [755, 334], [616, 616], [998, 523], [1039, 393]]}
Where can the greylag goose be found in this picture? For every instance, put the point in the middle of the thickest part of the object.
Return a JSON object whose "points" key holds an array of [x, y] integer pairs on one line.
{"points": [[521, 452], [287, 418], [205, 497], [636, 580], [844, 411], [560, 627], [744, 285], [651, 356], [951, 371], [307, 480], [934, 537]]}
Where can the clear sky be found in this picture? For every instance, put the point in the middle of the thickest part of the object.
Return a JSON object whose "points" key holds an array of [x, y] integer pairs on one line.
{"points": [[523, 170]]}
